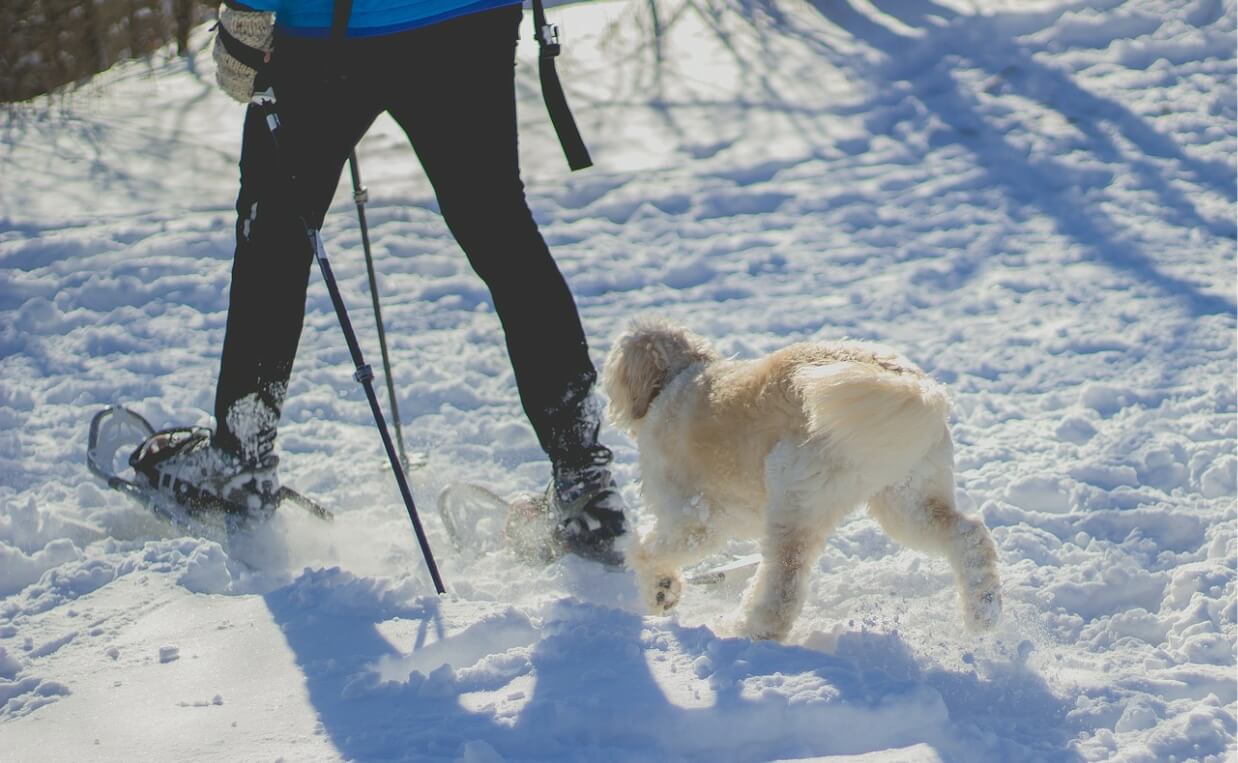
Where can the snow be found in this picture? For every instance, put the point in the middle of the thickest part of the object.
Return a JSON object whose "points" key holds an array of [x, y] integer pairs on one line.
{"points": [[1034, 201]]}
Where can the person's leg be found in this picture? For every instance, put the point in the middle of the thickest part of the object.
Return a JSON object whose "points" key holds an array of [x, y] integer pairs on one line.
{"points": [[321, 119], [460, 115]]}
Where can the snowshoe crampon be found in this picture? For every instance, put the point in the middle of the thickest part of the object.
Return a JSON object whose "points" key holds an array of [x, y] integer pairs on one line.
{"points": [[480, 521], [118, 432]]}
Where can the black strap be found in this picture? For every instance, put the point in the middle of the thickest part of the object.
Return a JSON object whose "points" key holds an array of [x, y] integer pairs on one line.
{"points": [[252, 57], [339, 19], [552, 91]]}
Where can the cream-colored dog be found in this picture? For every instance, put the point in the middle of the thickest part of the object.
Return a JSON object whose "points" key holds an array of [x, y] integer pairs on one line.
{"points": [[783, 448]]}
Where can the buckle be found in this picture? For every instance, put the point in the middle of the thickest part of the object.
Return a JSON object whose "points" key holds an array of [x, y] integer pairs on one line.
{"points": [[548, 38]]}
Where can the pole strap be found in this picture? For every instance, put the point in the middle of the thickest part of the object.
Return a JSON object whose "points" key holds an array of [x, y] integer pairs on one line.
{"points": [[552, 91]]}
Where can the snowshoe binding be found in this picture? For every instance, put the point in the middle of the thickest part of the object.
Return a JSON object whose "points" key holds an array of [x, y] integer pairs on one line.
{"points": [[185, 466]]}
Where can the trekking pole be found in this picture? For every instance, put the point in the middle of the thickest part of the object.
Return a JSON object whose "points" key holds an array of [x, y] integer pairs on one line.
{"points": [[265, 100], [361, 195]]}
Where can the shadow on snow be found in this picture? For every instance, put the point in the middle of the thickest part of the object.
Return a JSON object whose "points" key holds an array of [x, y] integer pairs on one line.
{"points": [[594, 692]]}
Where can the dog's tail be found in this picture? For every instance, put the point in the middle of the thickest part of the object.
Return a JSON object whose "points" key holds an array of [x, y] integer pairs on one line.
{"points": [[882, 420]]}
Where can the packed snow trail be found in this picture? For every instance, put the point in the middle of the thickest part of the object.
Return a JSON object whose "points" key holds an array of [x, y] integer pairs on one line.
{"points": [[1034, 201]]}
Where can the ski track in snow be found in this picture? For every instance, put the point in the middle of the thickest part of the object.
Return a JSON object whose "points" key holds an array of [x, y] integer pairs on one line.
{"points": [[1035, 201]]}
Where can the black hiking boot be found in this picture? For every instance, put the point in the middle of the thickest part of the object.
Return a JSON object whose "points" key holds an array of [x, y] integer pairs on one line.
{"points": [[588, 507]]}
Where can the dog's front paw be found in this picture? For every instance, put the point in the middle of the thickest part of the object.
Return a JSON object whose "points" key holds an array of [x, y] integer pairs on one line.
{"points": [[665, 594]]}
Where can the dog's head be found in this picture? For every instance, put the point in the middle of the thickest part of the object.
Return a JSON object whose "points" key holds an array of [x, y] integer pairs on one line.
{"points": [[642, 361]]}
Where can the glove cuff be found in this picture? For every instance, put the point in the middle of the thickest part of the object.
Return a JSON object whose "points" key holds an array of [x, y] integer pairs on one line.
{"points": [[255, 29], [243, 40], [235, 78]]}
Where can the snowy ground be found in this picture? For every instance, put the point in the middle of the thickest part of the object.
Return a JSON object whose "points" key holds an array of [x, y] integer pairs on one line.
{"points": [[1033, 200]]}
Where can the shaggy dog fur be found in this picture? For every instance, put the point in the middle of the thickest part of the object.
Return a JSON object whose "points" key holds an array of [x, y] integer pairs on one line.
{"points": [[783, 448]]}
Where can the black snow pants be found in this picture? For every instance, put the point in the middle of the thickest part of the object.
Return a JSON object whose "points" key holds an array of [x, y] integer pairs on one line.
{"points": [[451, 88]]}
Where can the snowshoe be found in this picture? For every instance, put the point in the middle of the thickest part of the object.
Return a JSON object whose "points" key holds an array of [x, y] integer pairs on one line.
{"points": [[479, 521], [179, 479], [580, 512], [714, 573]]}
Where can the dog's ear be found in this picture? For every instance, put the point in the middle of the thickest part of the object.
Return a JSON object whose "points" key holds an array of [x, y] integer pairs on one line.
{"points": [[640, 364], [631, 378]]}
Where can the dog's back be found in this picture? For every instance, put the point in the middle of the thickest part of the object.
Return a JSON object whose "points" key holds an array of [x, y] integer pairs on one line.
{"points": [[877, 411], [878, 414]]}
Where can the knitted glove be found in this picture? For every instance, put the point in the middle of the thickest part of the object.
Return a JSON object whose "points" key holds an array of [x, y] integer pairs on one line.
{"points": [[236, 64]]}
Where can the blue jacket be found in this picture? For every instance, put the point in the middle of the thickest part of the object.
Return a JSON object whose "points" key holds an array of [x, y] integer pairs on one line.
{"points": [[312, 18]]}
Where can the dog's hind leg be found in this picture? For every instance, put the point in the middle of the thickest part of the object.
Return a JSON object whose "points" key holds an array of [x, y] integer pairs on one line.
{"points": [[777, 594], [920, 513], [804, 508]]}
